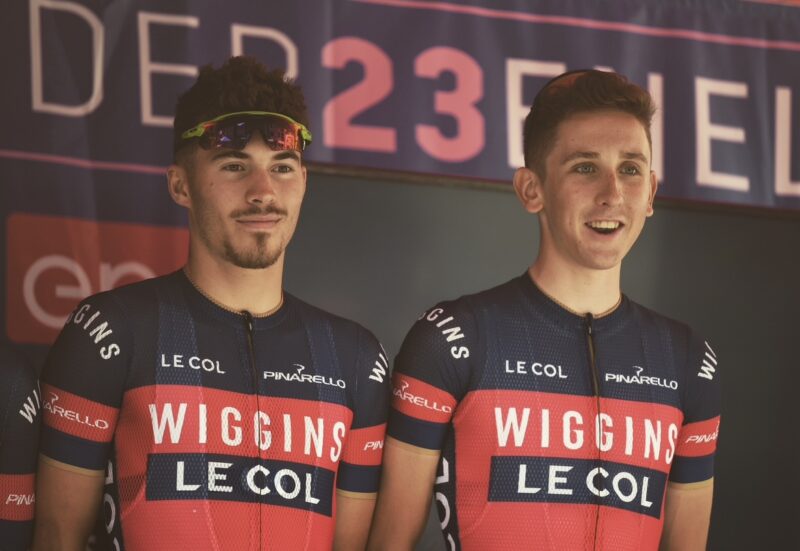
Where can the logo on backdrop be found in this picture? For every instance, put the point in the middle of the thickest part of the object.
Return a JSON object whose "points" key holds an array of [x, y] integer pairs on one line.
{"points": [[54, 262]]}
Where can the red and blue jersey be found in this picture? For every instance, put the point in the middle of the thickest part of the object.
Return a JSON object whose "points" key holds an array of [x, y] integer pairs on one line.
{"points": [[556, 431], [20, 404], [217, 429]]}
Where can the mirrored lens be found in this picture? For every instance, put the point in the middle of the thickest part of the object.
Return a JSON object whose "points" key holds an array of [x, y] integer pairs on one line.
{"points": [[228, 134], [279, 135]]}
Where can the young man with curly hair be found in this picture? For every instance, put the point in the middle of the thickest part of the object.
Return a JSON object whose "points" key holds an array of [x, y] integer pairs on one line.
{"points": [[209, 409]]}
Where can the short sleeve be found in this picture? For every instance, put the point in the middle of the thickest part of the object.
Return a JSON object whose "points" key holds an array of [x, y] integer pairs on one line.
{"points": [[83, 382], [359, 469], [697, 440], [20, 404], [431, 375]]}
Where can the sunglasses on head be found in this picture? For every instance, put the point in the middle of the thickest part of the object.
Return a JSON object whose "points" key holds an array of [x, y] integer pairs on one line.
{"points": [[234, 130]]}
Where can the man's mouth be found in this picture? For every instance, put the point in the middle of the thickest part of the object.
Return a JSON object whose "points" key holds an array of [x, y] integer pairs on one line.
{"points": [[259, 223], [259, 219], [604, 226]]}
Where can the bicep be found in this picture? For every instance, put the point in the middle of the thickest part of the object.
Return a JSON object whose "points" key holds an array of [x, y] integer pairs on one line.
{"points": [[405, 495], [687, 514], [67, 501]]}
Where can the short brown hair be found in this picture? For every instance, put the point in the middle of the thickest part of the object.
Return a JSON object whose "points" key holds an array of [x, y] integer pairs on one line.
{"points": [[241, 84], [578, 92]]}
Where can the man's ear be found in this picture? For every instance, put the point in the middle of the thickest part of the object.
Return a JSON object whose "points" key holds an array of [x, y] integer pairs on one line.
{"points": [[528, 187], [178, 185], [653, 189]]}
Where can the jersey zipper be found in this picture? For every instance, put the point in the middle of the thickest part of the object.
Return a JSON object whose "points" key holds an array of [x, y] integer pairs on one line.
{"points": [[593, 366], [596, 393], [248, 329]]}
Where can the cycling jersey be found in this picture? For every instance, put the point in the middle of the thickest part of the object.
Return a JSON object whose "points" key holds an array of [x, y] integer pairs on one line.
{"points": [[20, 402], [219, 430], [556, 431]]}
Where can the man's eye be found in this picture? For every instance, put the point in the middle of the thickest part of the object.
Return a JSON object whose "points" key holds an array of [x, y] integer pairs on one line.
{"points": [[585, 169], [630, 170], [233, 167], [283, 169]]}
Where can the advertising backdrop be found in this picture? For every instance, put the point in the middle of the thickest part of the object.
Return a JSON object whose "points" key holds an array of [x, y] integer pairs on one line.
{"points": [[433, 88]]}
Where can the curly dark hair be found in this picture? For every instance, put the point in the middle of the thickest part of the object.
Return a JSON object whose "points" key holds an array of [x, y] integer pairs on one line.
{"points": [[241, 84], [578, 92]]}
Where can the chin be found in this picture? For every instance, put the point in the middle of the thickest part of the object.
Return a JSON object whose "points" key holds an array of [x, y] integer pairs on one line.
{"points": [[253, 259], [608, 263]]}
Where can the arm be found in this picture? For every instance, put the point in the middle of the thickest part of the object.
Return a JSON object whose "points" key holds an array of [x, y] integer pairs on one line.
{"points": [[353, 517], [405, 496], [67, 502], [687, 514]]}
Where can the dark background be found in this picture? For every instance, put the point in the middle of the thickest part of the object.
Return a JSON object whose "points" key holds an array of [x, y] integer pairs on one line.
{"points": [[382, 251]]}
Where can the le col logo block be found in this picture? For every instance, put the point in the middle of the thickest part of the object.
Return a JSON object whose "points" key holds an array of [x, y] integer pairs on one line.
{"points": [[54, 262]]}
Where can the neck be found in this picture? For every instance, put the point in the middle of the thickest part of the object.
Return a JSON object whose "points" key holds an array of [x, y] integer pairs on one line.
{"points": [[581, 291], [259, 292]]}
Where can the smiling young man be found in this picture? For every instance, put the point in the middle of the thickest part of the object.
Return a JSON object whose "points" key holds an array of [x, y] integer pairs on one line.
{"points": [[209, 409], [561, 414]]}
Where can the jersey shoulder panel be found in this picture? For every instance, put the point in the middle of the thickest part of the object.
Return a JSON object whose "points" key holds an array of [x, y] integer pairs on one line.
{"points": [[445, 347], [92, 353], [440, 361], [698, 375], [87, 370], [695, 362], [362, 362], [356, 348]]}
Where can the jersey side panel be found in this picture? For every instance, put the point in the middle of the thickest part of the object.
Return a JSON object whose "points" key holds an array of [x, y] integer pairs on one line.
{"points": [[697, 442], [20, 404], [359, 469]]}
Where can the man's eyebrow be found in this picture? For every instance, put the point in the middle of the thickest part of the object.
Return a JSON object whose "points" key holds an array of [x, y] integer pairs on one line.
{"points": [[630, 155], [235, 153], [580, 155], [635, 156], [287, 154]]}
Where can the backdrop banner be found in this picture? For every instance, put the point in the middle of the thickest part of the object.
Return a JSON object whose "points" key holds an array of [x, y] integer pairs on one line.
{"points": [[436, 88]]}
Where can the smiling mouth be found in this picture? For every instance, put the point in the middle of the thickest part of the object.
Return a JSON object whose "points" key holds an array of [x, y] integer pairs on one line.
{"points": [[604, 226]]}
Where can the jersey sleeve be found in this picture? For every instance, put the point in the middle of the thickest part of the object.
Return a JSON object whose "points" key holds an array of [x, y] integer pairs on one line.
{"points": [[431, 375], [359, 469], [83, 382], [20, 404], [697, 440]]}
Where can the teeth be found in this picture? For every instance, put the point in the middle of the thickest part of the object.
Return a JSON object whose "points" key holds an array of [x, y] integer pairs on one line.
{"points": [[604, 225]]}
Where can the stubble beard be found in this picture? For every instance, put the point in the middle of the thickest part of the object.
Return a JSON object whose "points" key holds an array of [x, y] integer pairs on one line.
{"points": [[257, 257]]}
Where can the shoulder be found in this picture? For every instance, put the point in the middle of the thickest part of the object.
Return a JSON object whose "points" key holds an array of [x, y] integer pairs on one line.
{"points": [[678, 332], [340, 328], [103, 325], [138, 294], [124, 305], [678, 341], [461, 318]]}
